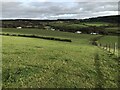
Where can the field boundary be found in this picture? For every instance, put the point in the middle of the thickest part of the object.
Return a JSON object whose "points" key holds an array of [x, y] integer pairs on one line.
{"points": [[111, 48], [36, 36]]}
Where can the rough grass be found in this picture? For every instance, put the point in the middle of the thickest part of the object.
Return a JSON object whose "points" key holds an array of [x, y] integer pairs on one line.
{"points": [[37, 63], [32, 62]]}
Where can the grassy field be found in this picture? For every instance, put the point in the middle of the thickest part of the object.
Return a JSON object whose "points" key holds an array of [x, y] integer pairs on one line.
{"points": [[97, 24], [76, 38], [33, 63], [112, 30]]}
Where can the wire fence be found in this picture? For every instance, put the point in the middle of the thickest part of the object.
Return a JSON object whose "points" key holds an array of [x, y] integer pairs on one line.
{"points": [[112, 48]]}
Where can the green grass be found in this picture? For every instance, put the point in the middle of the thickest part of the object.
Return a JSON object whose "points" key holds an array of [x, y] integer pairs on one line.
{"points": [[97, 24], [30, 62], [33, 62], [76, 38], [78, 25], [41, 32], [112, 30]]}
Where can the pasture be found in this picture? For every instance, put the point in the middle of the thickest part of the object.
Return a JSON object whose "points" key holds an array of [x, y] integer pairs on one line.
{"points": [[112, 30], [97, 24], [39, 63], [84, 38]]}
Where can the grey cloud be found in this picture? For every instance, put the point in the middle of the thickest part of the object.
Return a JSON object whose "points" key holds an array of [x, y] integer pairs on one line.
{"points": [[99, 6], [96, 1], [55, 10]]}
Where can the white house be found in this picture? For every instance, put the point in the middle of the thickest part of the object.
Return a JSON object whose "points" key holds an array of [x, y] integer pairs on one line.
{"points": [[94, 33], [52, 29], [79, 32], [19, 27]]}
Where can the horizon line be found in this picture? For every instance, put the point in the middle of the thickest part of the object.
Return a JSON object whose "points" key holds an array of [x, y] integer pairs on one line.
{"points": [[55, 19]]}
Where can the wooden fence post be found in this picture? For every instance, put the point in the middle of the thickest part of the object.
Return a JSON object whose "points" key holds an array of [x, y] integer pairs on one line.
{"points": [[115, 48], [109, 48], [112, 48], [103, 46], [106, 46]]}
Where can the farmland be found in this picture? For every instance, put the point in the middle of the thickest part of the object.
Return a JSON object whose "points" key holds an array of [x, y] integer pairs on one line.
{"points": [[113, 30], [39, 63], [84, 38], [103, 25], [97, 24], [51, 54]]}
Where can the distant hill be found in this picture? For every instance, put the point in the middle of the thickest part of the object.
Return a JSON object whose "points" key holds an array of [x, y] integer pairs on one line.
{"points": [[101, 25], [111, 19]]}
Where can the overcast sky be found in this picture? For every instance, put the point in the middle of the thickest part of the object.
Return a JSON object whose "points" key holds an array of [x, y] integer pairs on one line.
{"points": [[57, 9]]}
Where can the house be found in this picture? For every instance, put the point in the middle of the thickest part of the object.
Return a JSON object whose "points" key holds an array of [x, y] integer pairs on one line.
{"points": [[94, 33], [79, 32], [52, 29], [19, 27]]}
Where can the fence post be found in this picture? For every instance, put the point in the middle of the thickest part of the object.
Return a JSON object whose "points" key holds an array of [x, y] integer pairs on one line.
{"points": [[109, 48], [106, 47], [103, 46], [115, 47], [100, 44]]}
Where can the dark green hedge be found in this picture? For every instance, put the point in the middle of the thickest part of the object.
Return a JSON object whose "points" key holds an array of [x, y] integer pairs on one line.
{"points": [[35, 36]]}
